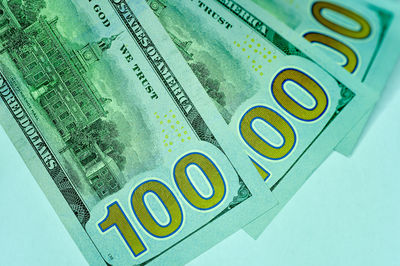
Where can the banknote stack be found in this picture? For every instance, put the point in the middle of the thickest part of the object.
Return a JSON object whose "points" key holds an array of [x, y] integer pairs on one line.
{"points": [[157, 128]]}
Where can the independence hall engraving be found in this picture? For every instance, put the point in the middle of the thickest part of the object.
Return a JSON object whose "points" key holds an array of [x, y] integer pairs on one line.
{"points": [[55, 75]]}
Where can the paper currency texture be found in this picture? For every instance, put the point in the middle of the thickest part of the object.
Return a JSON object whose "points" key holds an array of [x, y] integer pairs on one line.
{"points": [[360, 36], [278, 99], [119, 133]]}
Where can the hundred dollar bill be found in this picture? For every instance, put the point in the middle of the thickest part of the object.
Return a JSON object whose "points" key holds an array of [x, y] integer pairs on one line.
{"points": [[119, 133], [361, 36], [288, 112]]}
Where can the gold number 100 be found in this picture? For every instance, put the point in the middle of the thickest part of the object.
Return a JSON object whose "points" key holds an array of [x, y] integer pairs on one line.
{"points": [[363, 32], [116, 218]]}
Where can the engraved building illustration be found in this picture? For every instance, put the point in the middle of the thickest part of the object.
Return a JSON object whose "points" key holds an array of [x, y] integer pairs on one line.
{"points": [[57, 80], [158, 6]]}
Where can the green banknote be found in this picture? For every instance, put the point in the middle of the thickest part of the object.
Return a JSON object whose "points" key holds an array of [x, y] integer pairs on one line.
{"points": [[361, 36], [119, 133], [288, 112]]}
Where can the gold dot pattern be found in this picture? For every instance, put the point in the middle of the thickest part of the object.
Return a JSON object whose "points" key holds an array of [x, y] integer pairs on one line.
{"points": [[172, 131], [257, 54]]}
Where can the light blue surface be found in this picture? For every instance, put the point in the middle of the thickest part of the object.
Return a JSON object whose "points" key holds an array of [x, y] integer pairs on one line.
{"points": [[179, 100], [317, 227]]}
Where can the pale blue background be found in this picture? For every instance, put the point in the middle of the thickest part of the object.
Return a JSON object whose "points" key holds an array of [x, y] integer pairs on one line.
{"points": [[346, 214]]}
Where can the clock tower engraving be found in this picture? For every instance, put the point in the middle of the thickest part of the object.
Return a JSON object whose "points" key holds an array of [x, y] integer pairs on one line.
{"points": [[157, 6]]}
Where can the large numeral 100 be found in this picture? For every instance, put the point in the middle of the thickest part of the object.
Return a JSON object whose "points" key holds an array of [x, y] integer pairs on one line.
{"points": [[117, 219], [269, 116], [363, 32]]}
